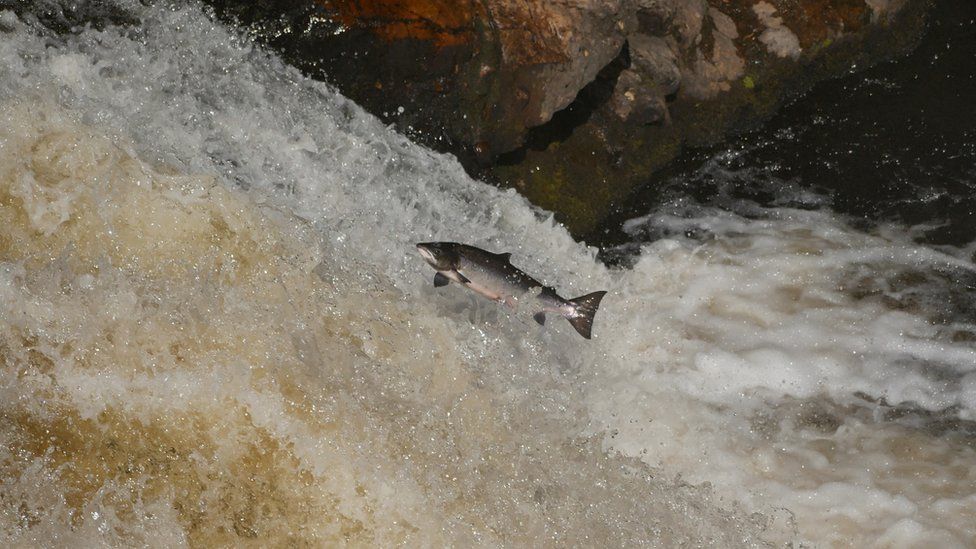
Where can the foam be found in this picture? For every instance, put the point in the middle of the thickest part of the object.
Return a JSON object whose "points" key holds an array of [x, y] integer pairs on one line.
{"points": [[199, 354], [793, 308]]}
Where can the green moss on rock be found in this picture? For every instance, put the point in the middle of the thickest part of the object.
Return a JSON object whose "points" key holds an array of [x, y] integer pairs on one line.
{"points": [[605, 159]]}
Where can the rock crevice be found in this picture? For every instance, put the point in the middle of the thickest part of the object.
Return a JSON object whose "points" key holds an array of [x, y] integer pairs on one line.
{"points": [[576, 102]]}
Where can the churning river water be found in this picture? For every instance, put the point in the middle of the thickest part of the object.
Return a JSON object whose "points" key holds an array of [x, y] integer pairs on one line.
{"points": [[215, 330]]}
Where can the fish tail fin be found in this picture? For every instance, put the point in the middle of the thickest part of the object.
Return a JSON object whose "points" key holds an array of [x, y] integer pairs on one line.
{"points": [[586, 307]]}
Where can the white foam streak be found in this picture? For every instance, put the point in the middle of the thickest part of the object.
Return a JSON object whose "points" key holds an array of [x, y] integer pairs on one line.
{"points": [[795, 308]]}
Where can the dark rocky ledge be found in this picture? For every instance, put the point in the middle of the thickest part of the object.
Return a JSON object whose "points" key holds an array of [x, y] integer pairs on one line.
{"points": [[576, 102]]}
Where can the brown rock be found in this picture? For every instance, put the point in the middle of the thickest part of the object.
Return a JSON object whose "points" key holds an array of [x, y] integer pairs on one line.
{"points": [[686, 21], [554, 48], [738, 60], [481, 77], [474, 71], [654, 57], [633, 103], [713, 69]]}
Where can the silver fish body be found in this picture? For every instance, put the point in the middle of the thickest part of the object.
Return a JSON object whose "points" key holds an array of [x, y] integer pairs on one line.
{"points": [[493, 276]]}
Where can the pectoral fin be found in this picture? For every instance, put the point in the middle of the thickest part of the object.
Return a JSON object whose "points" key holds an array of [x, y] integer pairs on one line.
{"points": [[540, 317], [463, 278], [440, 280]]}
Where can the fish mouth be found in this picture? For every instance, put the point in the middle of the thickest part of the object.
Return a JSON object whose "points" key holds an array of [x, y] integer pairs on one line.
{"points": [[426, 253]]}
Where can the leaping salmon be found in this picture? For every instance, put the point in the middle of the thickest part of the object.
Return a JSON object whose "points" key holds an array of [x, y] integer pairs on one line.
{"points": [[494, 276]]}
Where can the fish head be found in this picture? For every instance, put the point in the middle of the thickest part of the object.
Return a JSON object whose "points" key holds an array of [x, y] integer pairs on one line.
{"points": [[440, 255]]}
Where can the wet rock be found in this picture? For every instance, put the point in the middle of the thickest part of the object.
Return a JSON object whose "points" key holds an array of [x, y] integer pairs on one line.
{"points": [[654, 57], [686, 21], [575, 102], [712, 72], [883, 10], [479, 73], [736, 61], [654, 16], [632, 103], [778, 38]]}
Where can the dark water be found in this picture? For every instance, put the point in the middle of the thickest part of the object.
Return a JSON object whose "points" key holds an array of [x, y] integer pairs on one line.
{"points": [[895, 143]]}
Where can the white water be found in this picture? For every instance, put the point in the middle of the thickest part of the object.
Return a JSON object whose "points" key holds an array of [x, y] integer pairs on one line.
{"points": [[215, 330]]}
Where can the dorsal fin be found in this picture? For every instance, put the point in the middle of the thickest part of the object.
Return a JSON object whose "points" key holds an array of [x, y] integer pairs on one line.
{"points": [[504, 255]]}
